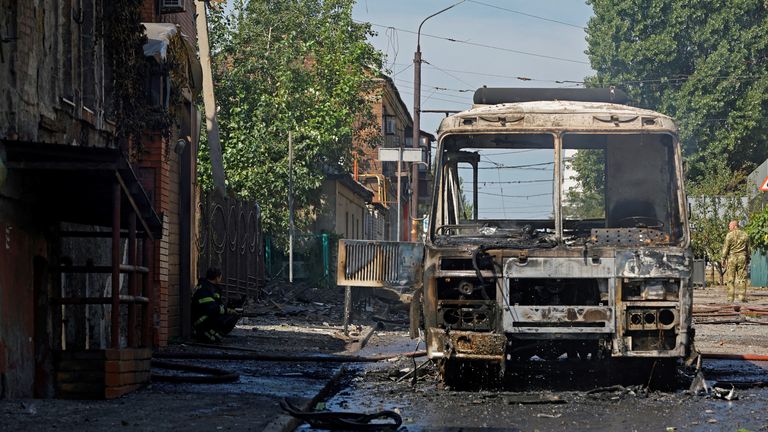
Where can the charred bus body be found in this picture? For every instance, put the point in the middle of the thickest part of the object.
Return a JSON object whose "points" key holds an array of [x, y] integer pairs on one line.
{"points": [[558, 227]]}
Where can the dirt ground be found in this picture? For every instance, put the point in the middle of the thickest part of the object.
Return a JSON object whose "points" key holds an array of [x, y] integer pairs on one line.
{"points": [[731, 338]]}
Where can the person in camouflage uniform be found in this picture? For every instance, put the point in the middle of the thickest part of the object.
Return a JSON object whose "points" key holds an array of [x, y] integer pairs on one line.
{"points": [[736, 256]]}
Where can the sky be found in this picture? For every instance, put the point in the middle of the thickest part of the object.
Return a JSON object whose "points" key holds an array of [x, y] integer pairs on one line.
{"points": [[455, 69], [497, 41]]}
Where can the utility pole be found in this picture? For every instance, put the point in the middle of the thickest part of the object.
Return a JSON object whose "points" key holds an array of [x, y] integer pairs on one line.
{"points": [[417, 124], [399, 188], [290, 207], [209, 100]]}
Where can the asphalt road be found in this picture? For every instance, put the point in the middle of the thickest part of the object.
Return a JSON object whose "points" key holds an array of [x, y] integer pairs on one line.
{"points": [[427, 406]]}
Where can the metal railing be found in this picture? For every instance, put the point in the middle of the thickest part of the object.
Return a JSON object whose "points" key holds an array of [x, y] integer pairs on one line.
{"points": [[371, 263]]}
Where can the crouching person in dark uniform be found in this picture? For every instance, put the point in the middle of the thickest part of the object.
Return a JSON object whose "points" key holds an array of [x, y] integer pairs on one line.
{"points": [[210, 318]]}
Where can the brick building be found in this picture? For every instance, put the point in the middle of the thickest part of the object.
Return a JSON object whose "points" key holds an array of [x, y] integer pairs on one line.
{"points": [[92, 223], [395, 126], [168, 170]]}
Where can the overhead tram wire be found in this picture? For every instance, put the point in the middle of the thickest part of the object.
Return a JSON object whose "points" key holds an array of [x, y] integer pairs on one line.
{"points": [[463, 102], [524, 166], [462, 99], [528, 14], [515, 196], [438, 87], [447, 73], [658, 80], [479, 44], [515, 77], [511, 181]]}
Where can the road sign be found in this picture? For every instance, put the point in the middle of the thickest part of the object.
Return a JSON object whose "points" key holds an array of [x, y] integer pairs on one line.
{"points": [[409, 154], [764, 187]]}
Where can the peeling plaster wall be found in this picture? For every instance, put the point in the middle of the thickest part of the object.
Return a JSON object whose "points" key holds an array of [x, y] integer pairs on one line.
{"points": [[52, 73]]}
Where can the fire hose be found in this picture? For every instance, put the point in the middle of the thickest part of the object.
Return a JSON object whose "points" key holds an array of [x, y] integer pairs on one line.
{"points": [[208, 375], [309, 357], [344, 420]]}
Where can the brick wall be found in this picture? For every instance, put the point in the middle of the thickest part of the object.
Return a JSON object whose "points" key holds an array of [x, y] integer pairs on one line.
{"points": [[174, 246], [101, 374], [154, 161], [185, 20]]}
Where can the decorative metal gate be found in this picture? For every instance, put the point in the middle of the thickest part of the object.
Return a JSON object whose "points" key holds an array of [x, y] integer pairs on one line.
{"points": [[232, 240]]}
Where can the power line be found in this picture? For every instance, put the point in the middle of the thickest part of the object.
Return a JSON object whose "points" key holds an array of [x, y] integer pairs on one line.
{"points": [[447, 73], [401, 70], [480, 44], [515, 196], [543, 207], [676, 79], [527, 14], [514, 77], [457, 100], [514, 166], [511, 181], [406, 83], [542, 212]]}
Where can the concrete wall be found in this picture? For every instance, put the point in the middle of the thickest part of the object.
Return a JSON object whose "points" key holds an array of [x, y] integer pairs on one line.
{"points": [[350, 213], [342, 211]]}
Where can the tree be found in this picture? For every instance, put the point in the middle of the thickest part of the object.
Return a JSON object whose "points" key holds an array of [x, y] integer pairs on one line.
{"points": [[288, 65], [586, 200], [701, 61], [714, 205], [757, 228]]}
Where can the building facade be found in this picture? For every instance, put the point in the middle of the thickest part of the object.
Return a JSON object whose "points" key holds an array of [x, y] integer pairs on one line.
{"points": [[96, 187]]}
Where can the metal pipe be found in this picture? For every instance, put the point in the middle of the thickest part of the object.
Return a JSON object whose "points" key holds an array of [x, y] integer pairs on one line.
{"points": [[290, 207], [734, 356], [256, 355], [116, 201], [124, 299], [475, 191], [399, 188], [132, 260], [347, 307], [146, 328]]}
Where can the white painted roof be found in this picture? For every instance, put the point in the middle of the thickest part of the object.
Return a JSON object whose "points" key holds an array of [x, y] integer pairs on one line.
{"points": [[570, 114]]}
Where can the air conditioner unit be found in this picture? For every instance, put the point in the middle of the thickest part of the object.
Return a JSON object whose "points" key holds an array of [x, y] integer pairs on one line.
{"points": [[171, 6]]}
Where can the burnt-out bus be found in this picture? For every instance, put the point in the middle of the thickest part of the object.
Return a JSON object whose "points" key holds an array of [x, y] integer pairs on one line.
{"points": [[558, 228]]}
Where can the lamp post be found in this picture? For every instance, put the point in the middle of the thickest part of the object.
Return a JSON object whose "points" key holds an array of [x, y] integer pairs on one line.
{"points": [[417, 120]]}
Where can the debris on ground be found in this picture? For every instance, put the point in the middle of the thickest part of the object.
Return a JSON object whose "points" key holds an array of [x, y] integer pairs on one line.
{"points": [[323, 305], [721, 393], [345, 420], [617, 392]]}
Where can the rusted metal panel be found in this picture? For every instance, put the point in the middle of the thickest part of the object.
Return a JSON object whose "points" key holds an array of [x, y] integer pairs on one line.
{"points": [[467, 344], [379, 264], [657, 263], [561, 268], [559, 319]]}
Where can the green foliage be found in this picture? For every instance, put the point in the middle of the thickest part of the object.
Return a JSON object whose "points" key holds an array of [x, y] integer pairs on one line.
{"points": [[288, 65], [701, 61], [124, 40], [715, 204], [587, 199], [757, 228]]}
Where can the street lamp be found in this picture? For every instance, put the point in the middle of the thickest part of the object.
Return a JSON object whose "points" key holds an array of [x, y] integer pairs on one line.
{"points": [[417, 117]]}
